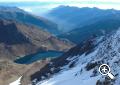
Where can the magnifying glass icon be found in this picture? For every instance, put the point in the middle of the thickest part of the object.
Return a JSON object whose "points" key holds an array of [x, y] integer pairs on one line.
{"points": [[104, 69]]}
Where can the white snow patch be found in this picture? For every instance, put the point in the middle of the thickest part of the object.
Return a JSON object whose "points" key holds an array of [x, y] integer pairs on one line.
{"points": [[69, 78], [17, 82]]}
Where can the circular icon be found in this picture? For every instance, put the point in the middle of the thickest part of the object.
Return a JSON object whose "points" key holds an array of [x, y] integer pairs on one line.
{"points": [[104, 69]]}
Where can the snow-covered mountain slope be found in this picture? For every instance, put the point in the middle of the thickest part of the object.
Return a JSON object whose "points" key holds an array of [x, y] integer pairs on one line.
{"points": [[80, 65]]}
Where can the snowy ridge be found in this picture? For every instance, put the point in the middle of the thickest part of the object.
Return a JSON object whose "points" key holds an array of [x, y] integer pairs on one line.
{"points": [[85, 70]]}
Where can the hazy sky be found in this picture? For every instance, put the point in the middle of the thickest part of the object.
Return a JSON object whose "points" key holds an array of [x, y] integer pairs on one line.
{"points": [[43, 5]]}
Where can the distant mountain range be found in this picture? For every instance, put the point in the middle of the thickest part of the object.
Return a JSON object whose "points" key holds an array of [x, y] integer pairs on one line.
{"points": [[78, 24], [77, 17], [98, 28], [14, 13], [18, 39]]}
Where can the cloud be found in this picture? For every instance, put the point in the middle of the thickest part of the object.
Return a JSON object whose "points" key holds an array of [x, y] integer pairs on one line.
{"points": [[28, 9], [38, 9]]}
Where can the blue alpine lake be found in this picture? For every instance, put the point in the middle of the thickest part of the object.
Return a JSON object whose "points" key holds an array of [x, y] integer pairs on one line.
{"points": [[38, 56]]}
